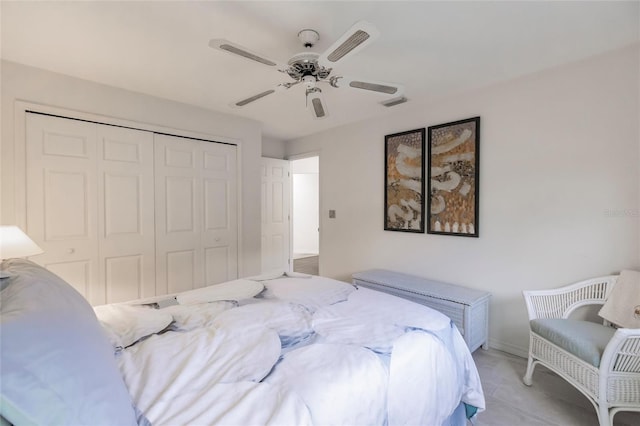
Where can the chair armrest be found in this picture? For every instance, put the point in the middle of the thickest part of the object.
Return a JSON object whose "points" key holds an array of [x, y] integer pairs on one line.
{"points": [[560, 302], [622, 353]]}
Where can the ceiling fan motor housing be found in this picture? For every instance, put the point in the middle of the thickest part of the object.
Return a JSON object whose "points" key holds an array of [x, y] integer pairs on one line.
{"points": [[306, 64]]}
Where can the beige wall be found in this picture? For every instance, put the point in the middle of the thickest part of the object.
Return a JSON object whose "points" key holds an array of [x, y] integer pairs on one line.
{"points": [[559, 188], [23, 83]]}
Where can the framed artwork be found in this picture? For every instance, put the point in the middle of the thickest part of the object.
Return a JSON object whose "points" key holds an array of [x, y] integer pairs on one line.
{"points": [[454, 160], [404, 181]]}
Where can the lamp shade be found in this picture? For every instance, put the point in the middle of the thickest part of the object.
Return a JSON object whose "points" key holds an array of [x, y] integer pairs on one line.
{"points": [[15, 243]]}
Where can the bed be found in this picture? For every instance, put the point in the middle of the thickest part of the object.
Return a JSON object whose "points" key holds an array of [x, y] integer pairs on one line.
{"points": [[282, 349]]}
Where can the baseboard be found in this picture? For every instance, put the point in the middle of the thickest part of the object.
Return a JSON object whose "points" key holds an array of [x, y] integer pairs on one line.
{"points": [[509, 348]]}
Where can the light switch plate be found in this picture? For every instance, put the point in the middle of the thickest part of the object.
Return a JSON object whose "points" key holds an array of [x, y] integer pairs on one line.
{"points": [[332, 214]]}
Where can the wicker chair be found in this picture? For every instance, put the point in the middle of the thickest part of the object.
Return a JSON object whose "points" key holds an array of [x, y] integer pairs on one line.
{"points": [[611, 385]]}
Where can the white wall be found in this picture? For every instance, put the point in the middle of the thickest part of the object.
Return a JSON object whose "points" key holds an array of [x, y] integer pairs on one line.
{"points": [[305, 213], [34, 85], [306, 205], [306, 200], [559, 167], [273, 148]]}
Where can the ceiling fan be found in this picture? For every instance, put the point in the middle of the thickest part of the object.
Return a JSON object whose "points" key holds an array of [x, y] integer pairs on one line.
{"points": [[313, 70]]}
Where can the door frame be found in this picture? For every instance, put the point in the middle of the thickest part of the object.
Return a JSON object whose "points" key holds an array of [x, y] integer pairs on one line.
{"points": [[302, 156]]}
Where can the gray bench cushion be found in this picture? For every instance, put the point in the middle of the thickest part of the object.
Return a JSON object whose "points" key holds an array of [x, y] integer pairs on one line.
{"points": [[584, 339]]}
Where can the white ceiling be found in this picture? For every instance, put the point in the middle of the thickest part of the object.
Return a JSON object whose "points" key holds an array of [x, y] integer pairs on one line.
{"points": [[435, 49]]}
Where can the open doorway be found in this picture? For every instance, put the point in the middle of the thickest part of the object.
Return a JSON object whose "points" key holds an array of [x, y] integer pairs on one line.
{"points": [[305, 173]]}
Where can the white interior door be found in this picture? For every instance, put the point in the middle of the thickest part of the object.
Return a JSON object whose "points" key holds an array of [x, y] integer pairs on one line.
{"points": [[179, 263], [126, 213], [276, 195], [62, 215], [220, 227], [196, 213]]}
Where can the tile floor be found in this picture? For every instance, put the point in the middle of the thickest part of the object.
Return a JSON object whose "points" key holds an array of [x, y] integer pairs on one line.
{"points": [[550, 401]]}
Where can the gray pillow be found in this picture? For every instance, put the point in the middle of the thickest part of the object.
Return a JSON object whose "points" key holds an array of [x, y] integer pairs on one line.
{"points": [[57, 363]]}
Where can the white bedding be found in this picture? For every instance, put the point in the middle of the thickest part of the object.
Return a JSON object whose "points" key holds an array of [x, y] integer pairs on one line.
{"points": [[345, 356]]}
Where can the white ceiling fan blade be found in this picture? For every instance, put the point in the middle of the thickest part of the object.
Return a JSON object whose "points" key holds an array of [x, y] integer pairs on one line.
{"points": [[354, 40], [371, 85], [279, 88], [253, 98], [235, 49], [317, 105]]}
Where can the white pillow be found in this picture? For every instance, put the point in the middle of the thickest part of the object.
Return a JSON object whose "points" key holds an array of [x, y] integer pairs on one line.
{"points": [[311, 292], [230, 290], [126, 324]]}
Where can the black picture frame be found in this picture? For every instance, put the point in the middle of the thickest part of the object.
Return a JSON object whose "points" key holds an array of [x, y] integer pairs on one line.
{"points": [[453, 181], [404, 181]]}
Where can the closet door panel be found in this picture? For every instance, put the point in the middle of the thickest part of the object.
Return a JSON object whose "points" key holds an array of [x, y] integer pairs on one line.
{"points": [[77, 273], [61, 199], [220, 233], [179, 255], [217, 260], [124, 276], [216, 200], [67, 207], [181, 270], [180, 193], [126, 213]]}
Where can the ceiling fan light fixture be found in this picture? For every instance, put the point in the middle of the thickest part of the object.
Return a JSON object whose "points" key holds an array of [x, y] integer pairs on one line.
{"points": [[308, 37]]}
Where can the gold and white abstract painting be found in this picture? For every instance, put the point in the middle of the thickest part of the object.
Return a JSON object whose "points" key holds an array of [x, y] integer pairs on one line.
{"points": [[404, 181], [453, 178]]}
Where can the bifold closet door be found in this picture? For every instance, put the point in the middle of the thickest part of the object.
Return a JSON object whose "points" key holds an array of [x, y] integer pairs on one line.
{"points": [[90, 205], [196, 213], [62, 199], [126, 213]]}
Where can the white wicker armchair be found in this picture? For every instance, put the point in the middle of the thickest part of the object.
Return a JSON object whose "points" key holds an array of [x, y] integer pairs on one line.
{"points": [[613, 385]]}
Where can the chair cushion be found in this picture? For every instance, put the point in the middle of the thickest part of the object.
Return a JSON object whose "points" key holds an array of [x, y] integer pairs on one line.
{"points": [[584, 339]]}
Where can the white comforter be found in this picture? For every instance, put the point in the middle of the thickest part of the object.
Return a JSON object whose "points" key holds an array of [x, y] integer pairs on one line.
{"points": [[343, 357]]}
